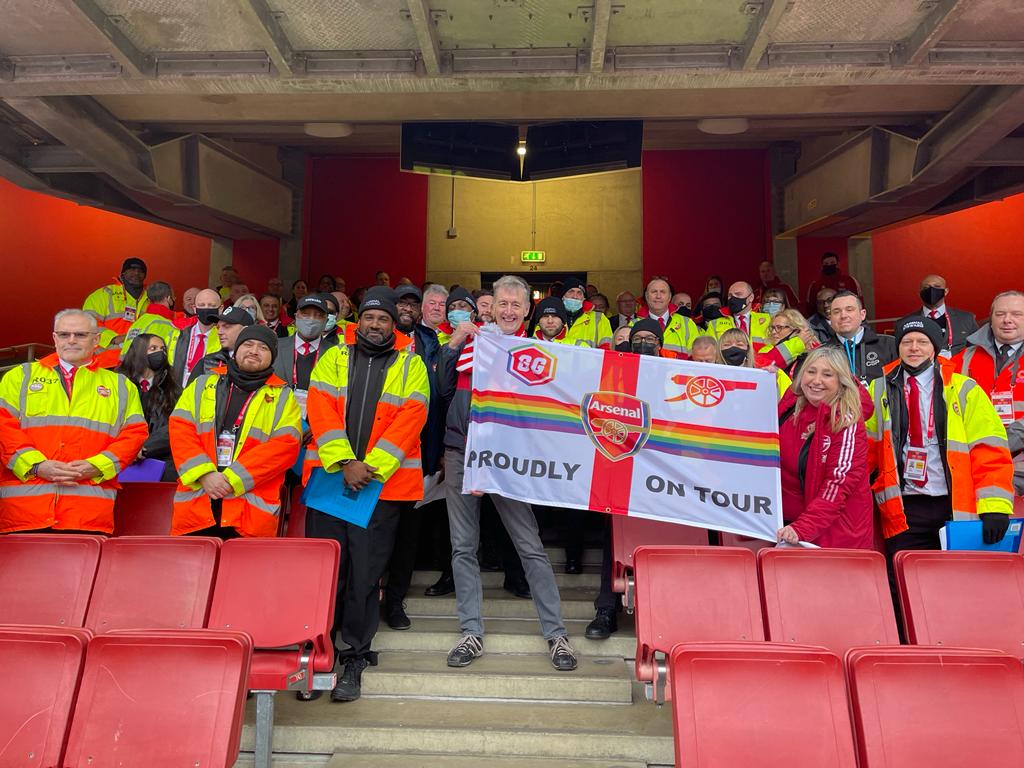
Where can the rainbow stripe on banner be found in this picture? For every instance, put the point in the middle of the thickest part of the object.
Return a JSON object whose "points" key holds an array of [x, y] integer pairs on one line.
{"points": [[734, 446]]}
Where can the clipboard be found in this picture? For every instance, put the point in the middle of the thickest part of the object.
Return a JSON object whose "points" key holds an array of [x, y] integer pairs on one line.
{"points": [[327, 492]]}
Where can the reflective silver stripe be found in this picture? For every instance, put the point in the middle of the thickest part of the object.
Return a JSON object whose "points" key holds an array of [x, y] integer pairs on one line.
{"points": [[183, 496], [243, 474], [887, 494], [390, 449], [956, 446], [113, 460], [993, 492], [204, 427], [410, 464], [993, 440], [674, 348], [287, 430], [405, 375], [966, 387], [394, 400], [194, 462], [181, 413], [26, 376], [968, 356], [17, 455], [282, 397], [258, 434], [10, 408], [91, 491], [327, 389], [28, 491], [122, 401], [312, 454], [419, 397], [137, 418], [331, 435], [35, 422], [52, 489], [260, 504]]}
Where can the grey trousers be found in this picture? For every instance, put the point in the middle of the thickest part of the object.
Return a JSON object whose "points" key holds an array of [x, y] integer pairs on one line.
{"points": [[518, 519]]}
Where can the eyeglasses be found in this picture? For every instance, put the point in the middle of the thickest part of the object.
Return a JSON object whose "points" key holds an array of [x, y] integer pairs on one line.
{"points": [[780, 328], [76, 335]]}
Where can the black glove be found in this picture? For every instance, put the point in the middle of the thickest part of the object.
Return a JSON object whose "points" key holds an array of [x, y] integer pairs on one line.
{"points": [[993, 526]]}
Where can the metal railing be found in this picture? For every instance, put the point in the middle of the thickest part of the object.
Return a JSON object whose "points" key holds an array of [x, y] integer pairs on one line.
{"points": [[11, 357]]}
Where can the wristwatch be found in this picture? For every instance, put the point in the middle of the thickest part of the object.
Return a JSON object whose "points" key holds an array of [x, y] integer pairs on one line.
{"points": [[34, 471]]}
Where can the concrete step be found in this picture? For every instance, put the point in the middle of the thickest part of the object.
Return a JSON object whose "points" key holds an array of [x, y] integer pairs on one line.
{"points": [[423, 760], [639, 733], [438, 635], [590, 578], [499, 676], [591, 556], [577, 603]]}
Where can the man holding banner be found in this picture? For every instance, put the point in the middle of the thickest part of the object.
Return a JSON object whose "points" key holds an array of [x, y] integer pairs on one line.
{"points": [[458, 359]]}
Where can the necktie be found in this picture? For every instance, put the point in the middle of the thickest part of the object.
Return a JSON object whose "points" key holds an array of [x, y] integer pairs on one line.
{"points": [[305, 348], [851, 355], [144, 386], [662, 321], [934, 314], [1005, 352], [916, 429], [68, 377], [198, 351], [743, 323]]}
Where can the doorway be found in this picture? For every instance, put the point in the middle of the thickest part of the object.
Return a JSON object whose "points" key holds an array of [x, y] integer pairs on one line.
{"points": [[540, 282]]}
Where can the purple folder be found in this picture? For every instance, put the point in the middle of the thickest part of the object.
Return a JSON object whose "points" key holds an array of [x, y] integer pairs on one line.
{"points": [[145, 471]]}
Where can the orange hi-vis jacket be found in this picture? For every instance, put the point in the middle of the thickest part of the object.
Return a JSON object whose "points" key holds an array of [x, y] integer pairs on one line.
{"points": [[266, 446], [102, 423], [115, 310], [394, 445], [976, 452]]}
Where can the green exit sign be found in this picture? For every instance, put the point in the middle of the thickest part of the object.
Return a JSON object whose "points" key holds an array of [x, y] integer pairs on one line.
{"points": [[532, 257]]}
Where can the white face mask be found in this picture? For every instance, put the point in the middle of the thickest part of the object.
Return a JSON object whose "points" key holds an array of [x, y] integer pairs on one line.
{"points": [[332, 323]]}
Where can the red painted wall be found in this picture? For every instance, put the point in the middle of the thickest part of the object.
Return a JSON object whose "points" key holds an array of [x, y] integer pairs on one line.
{"points": [[705, 212], [808, 260], [55, 253], [980, 252], [256, 261], [365, 215]]}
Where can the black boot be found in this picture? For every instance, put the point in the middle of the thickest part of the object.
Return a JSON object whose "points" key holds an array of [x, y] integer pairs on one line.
{"points": [[604, 623], [350, 683], [517, 585], [395, 616], [443, 586]]}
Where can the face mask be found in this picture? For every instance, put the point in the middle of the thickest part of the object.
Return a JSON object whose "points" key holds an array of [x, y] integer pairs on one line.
{"points": [[830, 269], [251, 311], [684, 311], [456, 316], [772, 307], [736, 305], [735, 356], [207, 316], [332, 323], [622, 346], [931, 295], [573, 306], [309, 328], [645, 347], [917, 369], [712, 312], [156, 361]]}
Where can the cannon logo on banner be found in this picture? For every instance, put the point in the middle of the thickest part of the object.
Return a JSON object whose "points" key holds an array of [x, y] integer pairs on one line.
{"points": [[618, 424]]}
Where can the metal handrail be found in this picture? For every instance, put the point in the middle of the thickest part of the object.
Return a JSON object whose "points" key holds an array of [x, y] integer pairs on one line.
{"points": [[28, 349]]}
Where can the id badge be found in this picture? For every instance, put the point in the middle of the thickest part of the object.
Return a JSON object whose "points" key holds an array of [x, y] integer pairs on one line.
{"points": [[300, 398], [916, 469], [129, 314], [1003, 402], [225, 449]]}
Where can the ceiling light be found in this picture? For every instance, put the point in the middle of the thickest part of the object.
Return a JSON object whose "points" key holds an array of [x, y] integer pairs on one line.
{"points": [[723, 126], [328, 130], [521, 149]]}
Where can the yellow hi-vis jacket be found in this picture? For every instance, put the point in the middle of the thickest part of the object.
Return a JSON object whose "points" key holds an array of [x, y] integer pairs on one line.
{"points": [[980, 468], [591, 329], [156, 320], [679, 334], [757, 328], [102, 423], [266, 446], [115, 310]]}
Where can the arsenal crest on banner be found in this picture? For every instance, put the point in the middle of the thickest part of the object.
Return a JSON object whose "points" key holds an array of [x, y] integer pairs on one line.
{"points": [[618, 424]]}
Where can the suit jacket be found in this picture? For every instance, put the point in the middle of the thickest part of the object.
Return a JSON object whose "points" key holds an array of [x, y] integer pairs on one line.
{"points": [[961, 323], [614, 322], [286, 355]]}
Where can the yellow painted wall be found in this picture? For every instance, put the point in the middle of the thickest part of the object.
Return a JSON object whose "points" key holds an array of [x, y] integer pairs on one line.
{"points": [[589, 224]]}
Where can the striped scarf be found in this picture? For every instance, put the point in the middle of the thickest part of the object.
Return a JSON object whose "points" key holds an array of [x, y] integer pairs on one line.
{"points": [[464, 365]]}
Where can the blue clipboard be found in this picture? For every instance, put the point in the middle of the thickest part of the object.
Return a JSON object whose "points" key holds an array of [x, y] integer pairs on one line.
{"points": [[327, 492], [966, 535], [143, 471]]}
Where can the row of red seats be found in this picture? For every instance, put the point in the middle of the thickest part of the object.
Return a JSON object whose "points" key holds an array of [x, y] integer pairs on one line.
{"points": [[160, 698], [281, 592], [776, 706], [836, 599]]}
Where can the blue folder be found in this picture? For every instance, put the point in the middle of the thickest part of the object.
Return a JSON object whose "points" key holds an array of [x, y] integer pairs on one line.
{"points": [[327, 492], [143, 471], [966, 535]]}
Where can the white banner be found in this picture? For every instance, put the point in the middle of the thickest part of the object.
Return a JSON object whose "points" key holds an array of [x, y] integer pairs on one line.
{"points": [[614, 432]]}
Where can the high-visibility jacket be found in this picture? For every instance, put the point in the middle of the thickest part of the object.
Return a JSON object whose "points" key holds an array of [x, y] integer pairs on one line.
{"points": [[678, 335], [115, 310], [177, 350], [157, 320], [783, 382], [394, 444], [590, 329], [757, 328], [266, 446], [781, 355], [976, 454], [102, 422]]}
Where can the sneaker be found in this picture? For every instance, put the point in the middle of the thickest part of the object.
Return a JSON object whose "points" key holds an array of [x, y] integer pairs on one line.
{"points": [[396, 617], [469, 648], [563, 657], [604, 623], [350, 683]]}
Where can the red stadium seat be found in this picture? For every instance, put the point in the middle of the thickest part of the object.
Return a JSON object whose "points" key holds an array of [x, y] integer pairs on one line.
{"points": [[296, 528], [963, 599], [691, 595], [281, 592], [759, 704], [836, 598], [41, 669], [162, 700], [46, 578], [628, 533], [144, 509], [153, 582], [936, 707]]}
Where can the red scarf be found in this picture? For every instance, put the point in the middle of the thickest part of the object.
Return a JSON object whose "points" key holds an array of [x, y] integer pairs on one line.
{"points": [[464, 365]]}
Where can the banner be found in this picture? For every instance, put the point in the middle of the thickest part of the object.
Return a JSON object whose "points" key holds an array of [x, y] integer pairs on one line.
{"points": [[614, 432]]}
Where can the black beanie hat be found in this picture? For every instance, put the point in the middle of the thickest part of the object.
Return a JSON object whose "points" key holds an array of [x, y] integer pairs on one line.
{"points": [[259, 333], [133, 262], [919, 324], [551, 306], [647, 324], [459, 294], [380, 297], [571, 282]]}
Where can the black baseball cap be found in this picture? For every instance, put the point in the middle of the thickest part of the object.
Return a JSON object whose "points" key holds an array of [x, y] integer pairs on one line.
{"points": [[408, 290], [314, 300], [236, 316], [133, 263]]}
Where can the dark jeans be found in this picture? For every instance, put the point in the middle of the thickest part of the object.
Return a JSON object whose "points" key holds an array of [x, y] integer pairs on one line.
{"points": [[926, 516], [607, 600], [365, 553], [217, 530]]}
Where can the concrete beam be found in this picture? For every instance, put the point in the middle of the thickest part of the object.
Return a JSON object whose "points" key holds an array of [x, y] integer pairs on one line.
{"points": [[259, 16], [934, 27], [599, 36], [760, 34], [133, 61], [426, 34], [1008, 152]]}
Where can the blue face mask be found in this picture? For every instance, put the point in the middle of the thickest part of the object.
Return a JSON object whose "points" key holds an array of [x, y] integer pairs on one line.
{"points": [[772, 307], [573, 305], [332, 322], [456, 316]]}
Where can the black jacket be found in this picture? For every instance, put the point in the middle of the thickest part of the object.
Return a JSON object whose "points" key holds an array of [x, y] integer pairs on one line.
{"points": [[961, 323], [428, 348], [874, 352], [286, 356]]}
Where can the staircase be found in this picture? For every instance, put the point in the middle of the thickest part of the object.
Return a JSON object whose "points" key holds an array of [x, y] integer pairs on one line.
{"points": [[509, 709]]}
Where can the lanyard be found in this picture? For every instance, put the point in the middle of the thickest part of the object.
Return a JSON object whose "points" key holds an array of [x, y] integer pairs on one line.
{"points": [[931, 406], [241, 414], [851, 354], [295, 360]]}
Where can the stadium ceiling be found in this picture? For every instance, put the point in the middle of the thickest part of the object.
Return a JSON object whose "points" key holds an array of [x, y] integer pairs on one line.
{"points": [[132, 104]]}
